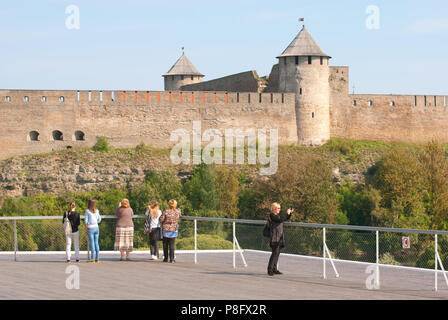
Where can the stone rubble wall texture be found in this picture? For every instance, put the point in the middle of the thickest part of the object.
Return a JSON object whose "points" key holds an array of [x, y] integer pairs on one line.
{"points": [[134, 117]]}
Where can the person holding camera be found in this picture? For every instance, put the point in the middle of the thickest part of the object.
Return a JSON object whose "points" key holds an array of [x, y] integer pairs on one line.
{"points": [[277, 237]]}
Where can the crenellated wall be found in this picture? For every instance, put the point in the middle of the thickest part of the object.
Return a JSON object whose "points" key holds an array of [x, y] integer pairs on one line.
{"points": [[390, 118], [127, 118]]}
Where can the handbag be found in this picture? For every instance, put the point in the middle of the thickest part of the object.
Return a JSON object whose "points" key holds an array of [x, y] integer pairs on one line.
{"points": [[67, 227], [267, 229], [147, 228]]}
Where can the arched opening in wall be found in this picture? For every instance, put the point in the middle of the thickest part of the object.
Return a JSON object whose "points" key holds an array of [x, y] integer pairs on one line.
{"points": [[78, 96], [312, 115], [192, 77], [61, 99], [369, 103], [181, 77], [79, 136], [57, 135], [309, 60], [392, 103], [8, 99], [415, 101], [444, 101], [26, 98], [44, 99], [34, 136], [354, 102]]}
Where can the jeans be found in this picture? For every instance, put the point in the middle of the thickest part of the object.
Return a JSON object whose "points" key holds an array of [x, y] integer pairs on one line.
{"points": [[93, 234], [168, 243], [68, 248]]}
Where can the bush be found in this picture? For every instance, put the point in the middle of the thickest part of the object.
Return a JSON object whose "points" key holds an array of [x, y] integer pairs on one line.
{"points": [[102, 145], [387, 258]]}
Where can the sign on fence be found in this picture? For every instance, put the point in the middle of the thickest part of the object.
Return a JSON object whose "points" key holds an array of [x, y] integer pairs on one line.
{"points": [[405, 242]]}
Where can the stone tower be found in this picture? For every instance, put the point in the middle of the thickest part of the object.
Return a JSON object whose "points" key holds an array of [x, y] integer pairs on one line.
{"points": [[181, 73], [304, 70]]}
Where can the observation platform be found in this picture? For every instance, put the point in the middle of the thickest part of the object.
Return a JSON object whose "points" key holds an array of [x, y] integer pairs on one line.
{"points": [[43, 276]]}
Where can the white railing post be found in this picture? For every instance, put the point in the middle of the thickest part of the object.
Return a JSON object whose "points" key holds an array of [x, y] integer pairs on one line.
{"points": [[377, 259], [325, 258], [234, 238], [195, 242], [435, 262], [15, 240]]}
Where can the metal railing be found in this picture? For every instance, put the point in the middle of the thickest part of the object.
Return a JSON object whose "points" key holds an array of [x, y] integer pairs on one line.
{"points": [[375, 245]]}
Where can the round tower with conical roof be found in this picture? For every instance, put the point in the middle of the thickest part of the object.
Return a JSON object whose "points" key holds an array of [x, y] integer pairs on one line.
{"points": [[181, 73], [304, 70]]}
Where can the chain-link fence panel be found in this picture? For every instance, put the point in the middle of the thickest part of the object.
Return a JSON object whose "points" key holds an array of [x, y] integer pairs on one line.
{"points": [[303, 241], [411, 250], [45, 235], [7, 235], [250, 236], [211, 235], [351, 245]]}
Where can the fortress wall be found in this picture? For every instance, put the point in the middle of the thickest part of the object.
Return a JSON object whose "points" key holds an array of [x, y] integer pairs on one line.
{"points": [[240, 82], [133, 117], [390, 118]]}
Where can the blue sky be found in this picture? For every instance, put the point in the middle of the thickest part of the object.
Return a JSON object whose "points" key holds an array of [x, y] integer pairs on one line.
{"points": [[130, 44]]}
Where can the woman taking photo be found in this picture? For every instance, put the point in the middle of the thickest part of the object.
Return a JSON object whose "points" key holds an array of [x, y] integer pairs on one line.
{"points": [[153, 213], [92, 218], [277, 237], [71, 221], [170, 226], [124, 232]]}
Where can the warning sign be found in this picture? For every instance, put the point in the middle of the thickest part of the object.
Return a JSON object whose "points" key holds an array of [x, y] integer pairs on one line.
{"points": [[406, 243]]}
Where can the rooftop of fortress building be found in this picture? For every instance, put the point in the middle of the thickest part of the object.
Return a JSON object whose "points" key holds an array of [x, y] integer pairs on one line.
{"points": [[303, 45], [183, 66]]}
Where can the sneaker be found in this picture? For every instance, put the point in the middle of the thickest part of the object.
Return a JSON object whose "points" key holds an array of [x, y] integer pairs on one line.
{"points": [[172, 261], [154, 258], [68, 260], [77, 260], [270, 273], [165, 260], [97, 261]]}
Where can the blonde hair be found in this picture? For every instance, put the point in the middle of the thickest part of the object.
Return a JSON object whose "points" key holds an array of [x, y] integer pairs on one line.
{"points": [[274, 206], [125, 203], [154, 208], [172, 204]]}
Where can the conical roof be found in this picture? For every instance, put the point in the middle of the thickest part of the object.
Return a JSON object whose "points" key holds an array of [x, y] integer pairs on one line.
{"points": [[183, 66], [303, 45]]}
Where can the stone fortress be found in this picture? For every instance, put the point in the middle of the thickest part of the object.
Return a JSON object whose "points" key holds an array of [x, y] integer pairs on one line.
{"points": [[305, 98]]}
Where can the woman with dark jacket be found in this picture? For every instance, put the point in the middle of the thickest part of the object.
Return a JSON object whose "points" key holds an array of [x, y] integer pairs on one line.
{"points": [[74, 219], [277, 237]]}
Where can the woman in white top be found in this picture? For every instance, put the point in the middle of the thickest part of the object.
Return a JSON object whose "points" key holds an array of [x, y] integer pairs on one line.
{"points": [[153, 213], [92, 218]]}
